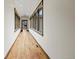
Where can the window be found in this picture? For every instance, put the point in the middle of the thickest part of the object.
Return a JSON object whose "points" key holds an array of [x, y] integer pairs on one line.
{"points": [[41, 20], [17, 20], [36, 20]]}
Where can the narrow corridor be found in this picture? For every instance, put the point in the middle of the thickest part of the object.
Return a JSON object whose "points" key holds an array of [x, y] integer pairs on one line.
{"points": [[25, 47]]}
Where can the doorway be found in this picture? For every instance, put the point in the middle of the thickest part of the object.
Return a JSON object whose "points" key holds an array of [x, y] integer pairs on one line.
{"points": [[24, 24]]}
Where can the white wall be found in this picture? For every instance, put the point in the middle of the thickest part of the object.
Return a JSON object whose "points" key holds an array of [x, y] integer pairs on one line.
{"points": [[59, 29], [10, 35]]}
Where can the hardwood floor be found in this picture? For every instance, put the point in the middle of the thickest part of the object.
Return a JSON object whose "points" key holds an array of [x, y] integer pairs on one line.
{"points": [[26, 47]]}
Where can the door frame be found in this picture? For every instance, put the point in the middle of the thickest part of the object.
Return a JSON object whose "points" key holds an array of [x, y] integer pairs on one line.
{"points": [[22, 23]]}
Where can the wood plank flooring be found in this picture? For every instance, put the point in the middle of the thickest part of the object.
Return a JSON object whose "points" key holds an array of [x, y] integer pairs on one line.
{"points": [[26, 47]]}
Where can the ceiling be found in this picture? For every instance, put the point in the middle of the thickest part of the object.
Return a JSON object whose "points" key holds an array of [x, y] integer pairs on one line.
{"points": [[26, 7]]}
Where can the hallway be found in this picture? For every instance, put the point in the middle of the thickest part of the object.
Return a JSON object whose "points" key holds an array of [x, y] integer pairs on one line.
{"points": [[50, 29], [25, 47]]}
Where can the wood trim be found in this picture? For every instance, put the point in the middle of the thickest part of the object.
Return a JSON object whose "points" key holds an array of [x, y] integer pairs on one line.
{"points": [[11, 47]]}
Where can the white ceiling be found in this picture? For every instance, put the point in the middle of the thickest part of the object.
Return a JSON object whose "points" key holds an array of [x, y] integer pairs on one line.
{"points": [[26, 7]]}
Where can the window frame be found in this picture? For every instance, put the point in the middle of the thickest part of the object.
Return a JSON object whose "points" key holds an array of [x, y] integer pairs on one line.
{"points": [[16, 16], [36, 19]]}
